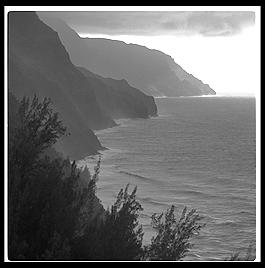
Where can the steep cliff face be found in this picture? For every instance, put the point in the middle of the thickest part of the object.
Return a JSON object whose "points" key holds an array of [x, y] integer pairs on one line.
{"points": [[118, 99], [184, 76], [152, 71], [39, 64]]}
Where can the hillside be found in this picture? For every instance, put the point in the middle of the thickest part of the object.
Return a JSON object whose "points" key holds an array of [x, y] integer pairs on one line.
{"points": [[118, 99], [152, 71], [38, 63]]}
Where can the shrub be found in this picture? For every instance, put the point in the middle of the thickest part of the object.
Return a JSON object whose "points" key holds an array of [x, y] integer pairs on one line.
{"points": [[45, 195], [55, 214], [172, 241], [117, 235], [249, 256]]}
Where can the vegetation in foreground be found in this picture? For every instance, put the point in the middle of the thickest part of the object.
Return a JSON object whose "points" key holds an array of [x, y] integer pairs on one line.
{"points": [[249, 256], [53, 210]]}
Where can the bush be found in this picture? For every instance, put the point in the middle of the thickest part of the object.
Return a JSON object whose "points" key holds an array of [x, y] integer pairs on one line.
{"points": [[37, 127], [45, 195], [53, 210], [248, 256], [117, 235], [172, 241]]}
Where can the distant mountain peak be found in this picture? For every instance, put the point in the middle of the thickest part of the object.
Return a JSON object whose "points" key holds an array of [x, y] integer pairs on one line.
{"points": [[150, 70], [40, 64]]}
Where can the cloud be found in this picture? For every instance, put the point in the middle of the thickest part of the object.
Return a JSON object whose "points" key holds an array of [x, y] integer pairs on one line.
{"points": [[147, 23]]}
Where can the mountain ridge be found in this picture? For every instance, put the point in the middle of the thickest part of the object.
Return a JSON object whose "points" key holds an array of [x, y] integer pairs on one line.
{"points": [[120, 100], [150, 70], [38, 63]]}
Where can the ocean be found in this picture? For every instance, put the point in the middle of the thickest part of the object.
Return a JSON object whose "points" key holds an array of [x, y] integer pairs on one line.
{"points": [[200, 152]]}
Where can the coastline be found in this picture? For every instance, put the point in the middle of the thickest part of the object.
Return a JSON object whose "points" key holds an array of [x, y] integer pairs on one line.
{"points": [[194, 187]]}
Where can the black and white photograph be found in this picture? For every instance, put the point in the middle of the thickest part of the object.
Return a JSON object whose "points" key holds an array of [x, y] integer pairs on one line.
{"points": [[132, 133]]}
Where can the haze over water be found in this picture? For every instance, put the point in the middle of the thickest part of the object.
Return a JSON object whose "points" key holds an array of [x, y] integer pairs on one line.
{"points": [[199, 153]]}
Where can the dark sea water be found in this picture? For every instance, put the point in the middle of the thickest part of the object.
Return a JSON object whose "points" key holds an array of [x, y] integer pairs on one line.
{"points": [[200, 153]]}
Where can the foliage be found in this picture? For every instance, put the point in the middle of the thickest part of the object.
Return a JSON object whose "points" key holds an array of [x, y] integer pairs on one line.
{"points": [[58, 248], [117, 235], [38, 127], [45, 195], [124, 242], [53, 210], [248, 256], [172, 241]]}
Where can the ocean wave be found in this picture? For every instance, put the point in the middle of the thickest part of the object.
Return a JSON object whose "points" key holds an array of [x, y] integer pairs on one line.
{"points": [[219, 221], [192, 256], [144, 215], [231, 223], [176, 159], [151, 201], [192, 192], [135, 176], [243, 212]]}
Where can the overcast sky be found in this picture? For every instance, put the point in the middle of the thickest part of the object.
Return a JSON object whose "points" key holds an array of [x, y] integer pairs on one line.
{"points": [[218, 47], [153, 23]]}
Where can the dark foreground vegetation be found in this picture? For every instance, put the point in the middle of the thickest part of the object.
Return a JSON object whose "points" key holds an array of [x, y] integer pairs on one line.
{"points": [[53, 210]]}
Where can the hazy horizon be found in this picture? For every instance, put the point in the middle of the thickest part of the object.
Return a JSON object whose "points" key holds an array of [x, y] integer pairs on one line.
{"points": [[223, 84]]}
